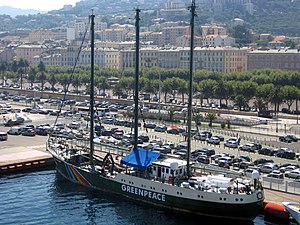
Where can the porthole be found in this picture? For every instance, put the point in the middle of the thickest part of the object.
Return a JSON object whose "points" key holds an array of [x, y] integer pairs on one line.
{"points": [[242, 199], [236, 199]]}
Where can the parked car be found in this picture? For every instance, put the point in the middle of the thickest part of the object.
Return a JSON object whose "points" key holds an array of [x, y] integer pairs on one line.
{"points": [[231, 144], [262, 161], [267, 151], [160, 128], [28, 132], [294, 138], [275, 174], [268, 168], [285, 139], [213, 140], [150, 125], [15, 122], [293, 174], [144, 137], [286, 153], [41, 131], [15, 131], [249, 147], [200, 137], [203, 159], [284, 169]]}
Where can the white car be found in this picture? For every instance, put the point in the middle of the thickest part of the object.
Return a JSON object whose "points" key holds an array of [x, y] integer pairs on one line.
{"points": [[231, 144], [293, 174], [268, 168]]}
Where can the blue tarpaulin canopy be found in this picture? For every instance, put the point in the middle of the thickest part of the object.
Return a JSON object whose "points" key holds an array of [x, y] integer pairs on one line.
{"points": [[140, 158]]}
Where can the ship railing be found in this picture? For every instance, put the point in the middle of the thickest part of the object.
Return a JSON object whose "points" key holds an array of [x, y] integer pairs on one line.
{"points": [[211, 169]]}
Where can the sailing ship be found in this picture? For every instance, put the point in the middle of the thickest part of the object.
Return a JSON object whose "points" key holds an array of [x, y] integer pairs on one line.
{"points": [[145, 175]]}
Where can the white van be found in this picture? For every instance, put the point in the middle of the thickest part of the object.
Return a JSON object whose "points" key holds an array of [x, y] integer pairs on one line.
{"points": [[15, 130]]}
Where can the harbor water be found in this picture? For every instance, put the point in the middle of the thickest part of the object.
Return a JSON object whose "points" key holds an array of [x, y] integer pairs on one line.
{"points": [[45, 197]]}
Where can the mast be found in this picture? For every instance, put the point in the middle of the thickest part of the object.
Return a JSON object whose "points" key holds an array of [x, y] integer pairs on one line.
{"points": [[189, 121], [92, 17], [136, 83]]}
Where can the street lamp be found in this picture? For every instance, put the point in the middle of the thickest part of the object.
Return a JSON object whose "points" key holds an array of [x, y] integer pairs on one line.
{"points": [[276, 122], [159, 92]]}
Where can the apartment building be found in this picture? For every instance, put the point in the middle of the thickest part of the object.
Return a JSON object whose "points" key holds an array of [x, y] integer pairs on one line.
{"points": [[284, 59], [27, 52], [154, 37], [113, 34], [41, 35], [169, 34], [112, 58], [218, 40], [221, 59], [55, 59], [235, 59], [185, 41], [213, 30], [6, 55], [149, 57], [127, 58], [168, 57]]}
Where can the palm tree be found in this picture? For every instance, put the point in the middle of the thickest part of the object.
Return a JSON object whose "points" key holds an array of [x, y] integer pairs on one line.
{"points": [[171, 113], [211, 117], [3, 68], [32, 75], [52, 79], [20, 76], [42, 78]]}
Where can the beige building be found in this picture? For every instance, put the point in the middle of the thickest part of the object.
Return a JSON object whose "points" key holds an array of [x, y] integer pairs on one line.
{"points": [[169, 34], [112, 58], [235, 59], [185, 41], [154, 37], [127, 58], [27, 52], [149, 57], [49, 59], [112, 34], [221, 59], [6, 55], [41, 35], [213, 30], [284, 59]]}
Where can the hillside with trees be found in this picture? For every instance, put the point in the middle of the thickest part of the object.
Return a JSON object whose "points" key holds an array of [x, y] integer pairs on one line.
{"points": [[272, 16]]}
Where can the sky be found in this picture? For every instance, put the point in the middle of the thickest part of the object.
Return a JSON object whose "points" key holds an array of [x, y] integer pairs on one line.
{"points": [[44, 5]]}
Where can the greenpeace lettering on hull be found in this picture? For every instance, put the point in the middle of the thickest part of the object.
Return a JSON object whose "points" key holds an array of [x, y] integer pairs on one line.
{"points": [[144, 193]]}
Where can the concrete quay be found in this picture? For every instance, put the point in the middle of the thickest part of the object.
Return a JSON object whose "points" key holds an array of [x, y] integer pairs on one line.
{"points": [[21, 159], [277, 197]]}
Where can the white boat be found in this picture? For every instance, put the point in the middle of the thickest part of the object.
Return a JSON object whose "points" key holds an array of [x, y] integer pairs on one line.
{"points": [[294, 210]]}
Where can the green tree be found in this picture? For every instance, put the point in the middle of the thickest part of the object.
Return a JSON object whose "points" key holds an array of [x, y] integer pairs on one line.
{"points": [[289, 94], [211, 117]]}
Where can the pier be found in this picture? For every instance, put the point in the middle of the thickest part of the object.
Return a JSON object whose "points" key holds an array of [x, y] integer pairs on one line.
{"points": [[22, 159]]}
